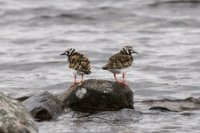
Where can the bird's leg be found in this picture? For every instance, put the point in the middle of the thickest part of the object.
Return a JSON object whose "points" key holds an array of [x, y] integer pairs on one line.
{"points": [[124, 81], [81, 78], [123, 76], [75, 79], [115, 77]]}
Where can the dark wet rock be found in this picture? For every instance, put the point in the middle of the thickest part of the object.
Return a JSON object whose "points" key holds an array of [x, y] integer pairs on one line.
{"points": [[188, 113], [98, 95], [163, 109], [172, 105], [170, 2], [14, 118], [44, 106]]}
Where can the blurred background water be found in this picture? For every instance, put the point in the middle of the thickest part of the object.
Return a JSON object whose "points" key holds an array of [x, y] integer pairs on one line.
{"points": [[164, 32]]}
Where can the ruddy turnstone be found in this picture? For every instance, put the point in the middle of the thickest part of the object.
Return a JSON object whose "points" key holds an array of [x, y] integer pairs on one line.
{"points": [[79, 63], [120, 62]]}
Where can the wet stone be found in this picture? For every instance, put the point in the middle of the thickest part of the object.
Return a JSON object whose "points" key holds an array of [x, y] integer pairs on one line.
{"points": [[44, 106], [14, 118], [175, 105], [98, 95]]}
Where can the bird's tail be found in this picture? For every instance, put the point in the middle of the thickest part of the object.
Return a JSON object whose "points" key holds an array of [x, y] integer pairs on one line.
{"points": [[88, 72], [105, 68]]}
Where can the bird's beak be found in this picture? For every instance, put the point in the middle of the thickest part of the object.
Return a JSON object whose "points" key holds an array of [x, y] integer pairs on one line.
{"points": [[135, 52], [63, 53]]}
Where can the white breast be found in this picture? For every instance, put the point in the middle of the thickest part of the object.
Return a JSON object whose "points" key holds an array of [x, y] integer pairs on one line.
{"points": [[75, 72], [118, 71]]}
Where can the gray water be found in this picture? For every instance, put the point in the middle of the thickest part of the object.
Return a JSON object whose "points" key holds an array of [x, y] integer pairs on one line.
{"points": [[165, 33]]}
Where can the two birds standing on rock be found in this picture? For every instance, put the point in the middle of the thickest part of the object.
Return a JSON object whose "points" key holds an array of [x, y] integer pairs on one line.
{"points": [[118, 63]]}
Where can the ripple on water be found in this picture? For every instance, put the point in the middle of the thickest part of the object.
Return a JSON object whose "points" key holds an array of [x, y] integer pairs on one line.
{"points": [[164, 32]]}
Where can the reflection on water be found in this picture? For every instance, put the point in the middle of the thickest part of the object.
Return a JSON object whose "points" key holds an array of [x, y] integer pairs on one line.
{"points": [[165, 33]]}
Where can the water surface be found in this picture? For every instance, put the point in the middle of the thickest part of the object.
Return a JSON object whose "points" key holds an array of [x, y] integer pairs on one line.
{"points": [[165, 33]]}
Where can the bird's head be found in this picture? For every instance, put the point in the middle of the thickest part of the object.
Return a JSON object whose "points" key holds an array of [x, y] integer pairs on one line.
{"points": [[128, 50], [69, 52]]}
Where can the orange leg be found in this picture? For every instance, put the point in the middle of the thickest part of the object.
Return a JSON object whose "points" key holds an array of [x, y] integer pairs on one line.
{"points": [[123, 76], [124, 81], [115, 77], [74, 79], [82, 78]]}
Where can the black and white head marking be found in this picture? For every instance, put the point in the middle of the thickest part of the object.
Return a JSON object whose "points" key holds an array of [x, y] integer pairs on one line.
{"points": [[128, 50], [69, 52]]}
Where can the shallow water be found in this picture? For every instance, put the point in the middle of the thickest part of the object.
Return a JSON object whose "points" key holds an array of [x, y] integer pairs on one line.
{"points": [[165, 33]]}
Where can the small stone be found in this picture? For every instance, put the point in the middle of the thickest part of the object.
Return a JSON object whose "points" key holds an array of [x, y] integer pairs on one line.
{"points": [[44, 106]]}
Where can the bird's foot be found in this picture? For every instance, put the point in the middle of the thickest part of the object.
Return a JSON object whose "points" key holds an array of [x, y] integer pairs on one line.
{"points": [[125, 83], [78, 82], [122, 82], [82, 81], [73, 84]]}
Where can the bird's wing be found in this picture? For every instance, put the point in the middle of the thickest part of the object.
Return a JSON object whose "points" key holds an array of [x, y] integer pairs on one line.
{"points": [[80, 63], [119, 61]]}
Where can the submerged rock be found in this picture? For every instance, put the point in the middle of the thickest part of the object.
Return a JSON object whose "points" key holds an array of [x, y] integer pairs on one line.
{"points": [[176, 105], [14, 118], [44, 106], [98, 95], [24, 97]]}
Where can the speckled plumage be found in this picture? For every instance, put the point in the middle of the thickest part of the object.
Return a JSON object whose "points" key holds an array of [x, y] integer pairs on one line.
{"points": [[120, 62], [80, 63]]}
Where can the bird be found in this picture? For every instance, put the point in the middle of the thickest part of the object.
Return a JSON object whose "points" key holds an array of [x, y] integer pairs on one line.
{"points": [[120, 62], [78, 63]]}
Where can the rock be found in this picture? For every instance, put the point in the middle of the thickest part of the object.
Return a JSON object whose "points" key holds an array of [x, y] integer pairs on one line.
{"points": [[176, 105], [98, 95], [44, 106], [14, 118], [24, 97], [159, 108]]}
